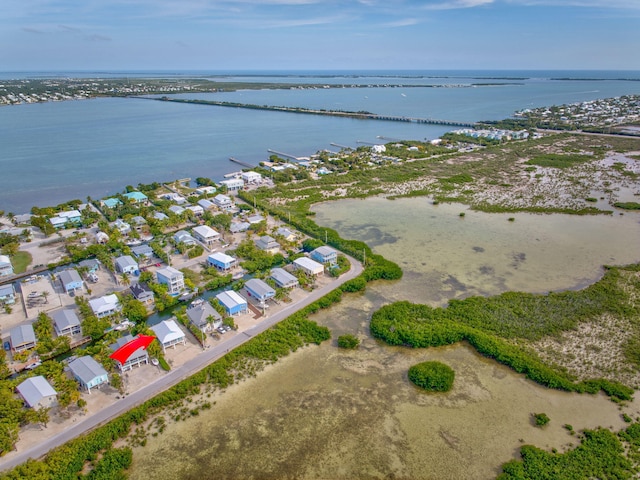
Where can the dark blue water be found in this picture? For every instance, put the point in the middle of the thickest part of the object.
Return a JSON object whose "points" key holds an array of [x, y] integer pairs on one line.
{"points": [[53, 152]]}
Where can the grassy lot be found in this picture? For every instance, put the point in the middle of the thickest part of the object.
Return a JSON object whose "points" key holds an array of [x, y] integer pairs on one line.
{"points": [[21, 261]]}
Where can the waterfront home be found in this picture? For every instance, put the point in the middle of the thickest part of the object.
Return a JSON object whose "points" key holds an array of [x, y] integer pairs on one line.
{"points": [[238, 227], [205, 190], [308, 266], [66, 322], [324, 254], [64, 219], [88, 373], [259, 290], [172, 278], [204, 317], [205, 234], [137, 358], [251, 177], [92, 265], [5, 266], [22, 338], [136, 197], [105, 306], [142, 251], [169, 334], [233, 184], [223, 202], [112, 202], [267, 243], [7, 294], [283, 278], [126, 264], [287, 234], [184, 237], [221, 261], [233, 303], [197, 210], [37, 392], [70, 280], [123, 227], [206, 204], [176, 209], [143, 294]]}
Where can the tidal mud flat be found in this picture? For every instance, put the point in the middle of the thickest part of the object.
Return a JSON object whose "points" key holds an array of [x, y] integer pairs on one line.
{"points": [[326, 413]]}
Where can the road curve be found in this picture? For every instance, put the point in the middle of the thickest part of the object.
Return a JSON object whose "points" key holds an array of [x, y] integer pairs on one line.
{"points": [[13, 459]]}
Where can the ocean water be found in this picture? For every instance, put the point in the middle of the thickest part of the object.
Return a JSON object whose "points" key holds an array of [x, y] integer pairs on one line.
{"points": [[53, 152]]}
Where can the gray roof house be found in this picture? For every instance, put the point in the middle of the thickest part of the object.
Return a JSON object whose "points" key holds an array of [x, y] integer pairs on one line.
{"points": [[199, 316], [267, 244], [88, 373], [205, 234], [143, 293], [66, 322], [169, 334], [259, 290], [7, 294], [237, 227], [37, 392], [142, 251], [126, 264], [22, 337], [283, 278], [137, 358], [70, 280], [184, 237], [106, 305]]}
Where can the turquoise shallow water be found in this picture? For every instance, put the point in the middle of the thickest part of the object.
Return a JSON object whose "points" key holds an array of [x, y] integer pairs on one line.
{"points": [[53, 152]]}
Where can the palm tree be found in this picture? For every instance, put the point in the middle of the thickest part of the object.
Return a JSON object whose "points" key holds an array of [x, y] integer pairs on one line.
{"points": [[45, 294], [125, 279]]}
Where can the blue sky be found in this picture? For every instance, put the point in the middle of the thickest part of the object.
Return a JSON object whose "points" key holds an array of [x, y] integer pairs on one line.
{"points": [[319, 34]]}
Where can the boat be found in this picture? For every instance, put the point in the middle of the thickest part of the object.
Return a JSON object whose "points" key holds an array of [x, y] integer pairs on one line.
{"points": [[155, 362]]}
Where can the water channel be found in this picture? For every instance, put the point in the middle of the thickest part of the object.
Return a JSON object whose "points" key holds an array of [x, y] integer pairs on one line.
{"points": [[327, 413]]}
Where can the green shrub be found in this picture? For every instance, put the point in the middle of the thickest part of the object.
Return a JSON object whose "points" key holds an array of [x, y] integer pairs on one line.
{"points": [[540, 419], [348, 341], [432, 376]]}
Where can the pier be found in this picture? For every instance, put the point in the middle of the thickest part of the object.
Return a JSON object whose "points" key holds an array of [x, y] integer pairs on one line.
{"points": [[287, 155], [240, 162], [340, 146]]}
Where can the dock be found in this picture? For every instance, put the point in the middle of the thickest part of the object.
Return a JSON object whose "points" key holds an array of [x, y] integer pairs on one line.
{"points": [[340, 146], [287, 155], [240, 162]]}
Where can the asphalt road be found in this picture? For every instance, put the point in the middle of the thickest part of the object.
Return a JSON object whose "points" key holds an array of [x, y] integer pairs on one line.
{"points": [[172, 377]]}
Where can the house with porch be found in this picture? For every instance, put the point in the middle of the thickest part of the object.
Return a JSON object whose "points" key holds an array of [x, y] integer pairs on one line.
{"points": [[169, 334], [7, 294], [22, 337], [5, 266], [308, 266], [37, 392], [223, 202], [251, 177], [324, 254], [66, 219], [105, 306], [233, 303], [137, 358], [66, 322], [197, 210], [283, 278], [268, 244], [143, 294], [88, 373], [126, 264], [70, 280], [259, 290], [137, 198], [204, 317], [205, 234], [221, 261], [233, 184], [172, 278]]}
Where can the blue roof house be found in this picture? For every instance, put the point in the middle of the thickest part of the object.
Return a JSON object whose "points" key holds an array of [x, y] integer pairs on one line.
{"points": [[324, 254], [259, 290], [111, 202], [136, 197], [232, 302]]}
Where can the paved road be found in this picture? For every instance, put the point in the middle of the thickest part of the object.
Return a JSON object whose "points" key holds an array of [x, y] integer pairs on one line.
{"points": [[174, 376]]}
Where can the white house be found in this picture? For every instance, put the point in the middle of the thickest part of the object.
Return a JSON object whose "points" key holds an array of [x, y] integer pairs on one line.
{"points": [[185, 237], [106, 305], [172, 278], [37, 392], [205, 234], [5, 266], [251, 177], [308, 266], [233, 184], [169, 334], [66, 322], [223, 202], [283, 278]]}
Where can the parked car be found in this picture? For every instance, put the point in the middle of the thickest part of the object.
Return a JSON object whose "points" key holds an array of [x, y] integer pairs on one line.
{"points": [[7, 346], [33, 365]]}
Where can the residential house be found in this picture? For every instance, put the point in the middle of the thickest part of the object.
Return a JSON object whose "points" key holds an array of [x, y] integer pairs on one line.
{"points": [[223, 202], [251, 177], [205, 234], [142, 251], [66, 322], [22, 338], [88, 373], [92, 265], [257, 218], [259, 290], [205, 189], [7, 294], [37, 392], [238, 227], [106, 305], [206, 204], [172, 278], [143, 294], [68, 218], [308, 266], [287, 234], [138, 222], [123, 227], [112, 202], [197, 210], [176, 209], [221, 261], [268, 244], [169, 334], [126, 264], [175, 198], [5, 266], [324, 254], [184, 237], [136, 197], [204, 317], [283, 278], [102, 237], [233, 303], [233, 184], [160, 216], [70, 280], [137, 358]]}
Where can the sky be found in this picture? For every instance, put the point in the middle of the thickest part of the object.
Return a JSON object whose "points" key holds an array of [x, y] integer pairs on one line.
{"points": [[233, 35]]}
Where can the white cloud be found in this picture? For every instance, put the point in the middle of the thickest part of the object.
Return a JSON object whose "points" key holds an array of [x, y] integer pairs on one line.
{"points": [[406, 22]]}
